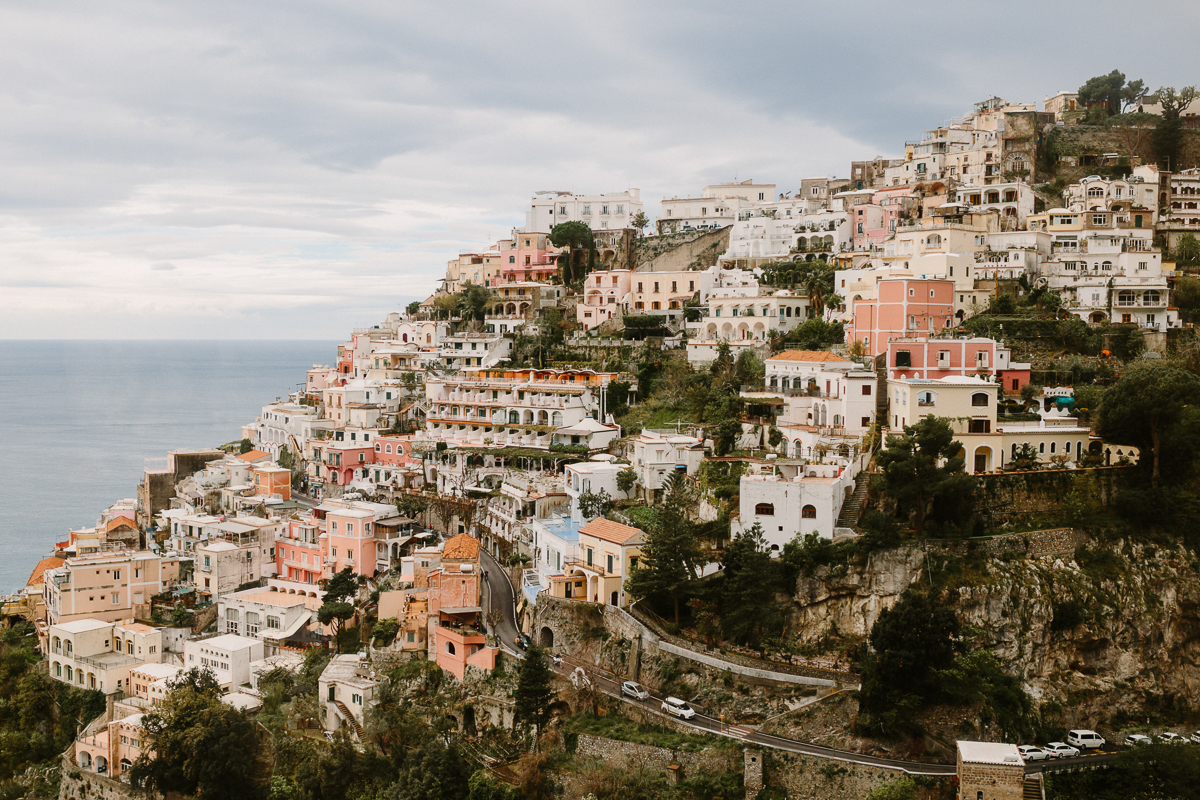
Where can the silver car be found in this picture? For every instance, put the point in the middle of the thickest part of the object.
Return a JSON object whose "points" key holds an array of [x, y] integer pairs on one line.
{"points": [[1138, 740], [1172, 738], [1060, 750], [1031, 753], [634, 690]]}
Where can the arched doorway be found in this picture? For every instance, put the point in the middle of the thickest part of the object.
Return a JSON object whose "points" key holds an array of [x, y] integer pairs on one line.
{"points": [[615, 598], [546, 639], [983, 459]]}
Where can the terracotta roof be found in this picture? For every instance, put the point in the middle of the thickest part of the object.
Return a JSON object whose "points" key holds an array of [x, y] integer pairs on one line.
{"points": [[35, 577], [118, 522], [609, 531], [253, 455], [461, 547], [817, 356]]}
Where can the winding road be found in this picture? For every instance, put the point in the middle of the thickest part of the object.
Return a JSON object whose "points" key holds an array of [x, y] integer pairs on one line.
{"points": [[500, 595]]}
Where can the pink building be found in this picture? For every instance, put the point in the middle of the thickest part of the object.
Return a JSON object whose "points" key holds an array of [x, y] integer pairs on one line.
{"points": [[300, 552], [602, 296], [339, 460], [902, 307], [922, 357], [892, 201], [351, 539], [456, 636], [395, 451], [530, 258]]}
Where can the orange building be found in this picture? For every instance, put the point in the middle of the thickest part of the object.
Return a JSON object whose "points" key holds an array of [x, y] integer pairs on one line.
{"points": [[272, 479], [456, 634]]}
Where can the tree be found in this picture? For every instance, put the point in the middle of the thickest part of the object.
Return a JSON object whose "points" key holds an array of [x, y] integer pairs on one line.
{"points": [[595, 504], [533, 695], [1168, 134], [1112, 91], [911, 641], [1187, 254], [445, 304], [578, 238], [639, 222], [473, 302], [413, 307], [917, 468], [626, 479], [1025, 458], [411, 506], [245, 446], [671, 555], [1146, 407], [198, 745], [902, 788], [335, 610], [747, 597]]}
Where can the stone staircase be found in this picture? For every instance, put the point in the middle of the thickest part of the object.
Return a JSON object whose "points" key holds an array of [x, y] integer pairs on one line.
{"points": [[852, 508], [1034, 789], [350, 720]]}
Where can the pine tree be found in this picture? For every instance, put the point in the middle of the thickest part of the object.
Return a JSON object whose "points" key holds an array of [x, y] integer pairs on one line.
{"points": [[531, 702], [671, 555]]}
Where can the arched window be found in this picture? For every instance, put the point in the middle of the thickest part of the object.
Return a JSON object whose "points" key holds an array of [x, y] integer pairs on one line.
{"points": [[514, 417], [450, 648], [1125, 298], [979, 399], [1150, 298], [1106, 265], [934, 241], [765, 510], [1053, 447], [808, 512], [387, 449], [926, 399], [557, 419]]}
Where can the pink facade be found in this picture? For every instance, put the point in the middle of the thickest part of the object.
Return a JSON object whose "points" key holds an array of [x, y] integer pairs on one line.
{"points": [[351, 541], [532, 258], [919, 357], [395, 451], [339, 460], [602, 296], [300, 552], [891, 201], [867, 228], [904, 307]]}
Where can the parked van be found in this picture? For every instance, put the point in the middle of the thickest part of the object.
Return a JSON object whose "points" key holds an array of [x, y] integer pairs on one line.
{"points": [[1085, 739]]}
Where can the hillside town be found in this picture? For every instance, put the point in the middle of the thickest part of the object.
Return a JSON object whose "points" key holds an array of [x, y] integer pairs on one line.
{"points": [[647, 450]]}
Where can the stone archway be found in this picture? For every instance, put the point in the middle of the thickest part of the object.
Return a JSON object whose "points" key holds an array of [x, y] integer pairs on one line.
{"points": [[546, 637]]}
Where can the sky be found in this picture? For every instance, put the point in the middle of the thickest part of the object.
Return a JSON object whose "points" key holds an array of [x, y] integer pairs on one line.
{"points": [[290, 170]]}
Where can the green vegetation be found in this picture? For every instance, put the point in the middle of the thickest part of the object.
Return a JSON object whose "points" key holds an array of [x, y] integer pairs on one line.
{"points": [[1141, 773], [1152, 407], [671, 556], [923, 475], [579, 240], [1110, 93], [338, 604], [621, 728], [531, 702]]}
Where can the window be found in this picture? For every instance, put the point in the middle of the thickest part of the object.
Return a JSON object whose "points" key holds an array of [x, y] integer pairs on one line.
{"points": [[866, 422], [979, 426], [116, 598], [866, 390], [926, 399], [765, 510], [980, 399], [808, 512], [903, 358]]}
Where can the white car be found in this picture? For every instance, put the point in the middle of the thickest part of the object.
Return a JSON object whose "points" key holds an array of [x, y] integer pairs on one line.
{"points": [[1195, 738], [1172, 738], [1060, 750], [679, 708], [1138, 740], [1084, 739], [1031, 753], [634, 690]]}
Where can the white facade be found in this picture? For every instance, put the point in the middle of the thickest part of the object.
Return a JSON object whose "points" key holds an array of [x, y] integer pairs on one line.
{"points": [[464, 350], [266, 615], [599, 211], [1125, 287], [222, 566], [657, 454], [593, 477], [787, 500], [227, 655], [346, 685]]}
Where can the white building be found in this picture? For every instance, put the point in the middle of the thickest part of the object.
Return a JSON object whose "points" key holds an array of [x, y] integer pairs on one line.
{"points": [[717, 206], [271, 616], [599, 211], [94, 654], [222, 566], [791, 498], [658, 453], [464, 350], [227, 655], [512, 407], [593, 477], [346, 690], [1013, 201]]}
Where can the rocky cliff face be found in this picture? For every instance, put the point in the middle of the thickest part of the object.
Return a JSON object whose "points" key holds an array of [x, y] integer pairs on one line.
{"points": [[1114, 627]]}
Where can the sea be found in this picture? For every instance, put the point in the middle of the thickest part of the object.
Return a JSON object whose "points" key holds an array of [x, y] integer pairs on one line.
{"points": [[78, 419]]}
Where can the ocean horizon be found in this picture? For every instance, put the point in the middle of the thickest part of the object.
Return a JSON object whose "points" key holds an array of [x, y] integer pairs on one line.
{"points": [[79, 417]]}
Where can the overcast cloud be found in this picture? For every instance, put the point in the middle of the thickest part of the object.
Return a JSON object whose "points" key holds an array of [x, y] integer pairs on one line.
{"points": [[294, 169]]}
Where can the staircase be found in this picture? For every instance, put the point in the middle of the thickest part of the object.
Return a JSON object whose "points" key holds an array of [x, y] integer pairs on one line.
{"points": [[1034, 789], [848, 517], [350, 720]]}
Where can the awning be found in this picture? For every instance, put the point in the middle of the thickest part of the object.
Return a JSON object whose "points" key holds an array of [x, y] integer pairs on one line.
{"points": [[460, 610]]}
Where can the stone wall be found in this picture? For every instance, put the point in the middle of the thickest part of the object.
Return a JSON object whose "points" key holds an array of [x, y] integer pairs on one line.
{"points": [[79, 784], [996, 781], [1007, 495], [677, 252], [1053, 542], [615, 752], [807, 778]]}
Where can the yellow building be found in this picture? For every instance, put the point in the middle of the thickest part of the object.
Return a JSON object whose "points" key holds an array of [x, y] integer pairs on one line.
{"points": [[608, 552]]}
